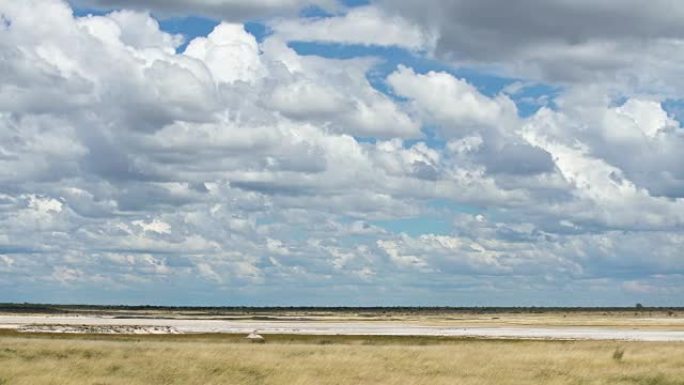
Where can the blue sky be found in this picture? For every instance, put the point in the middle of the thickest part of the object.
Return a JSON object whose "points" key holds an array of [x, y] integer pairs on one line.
{"points": [[318, 152]]}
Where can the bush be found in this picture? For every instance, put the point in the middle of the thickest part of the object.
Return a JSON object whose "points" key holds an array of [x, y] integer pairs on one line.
{"points": [[618, 354]]}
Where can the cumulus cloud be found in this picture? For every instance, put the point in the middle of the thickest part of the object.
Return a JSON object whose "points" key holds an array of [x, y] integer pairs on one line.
{"points": [[482, 247], [230, 53], [135, 131], [461, 111], [240, 164], [613, 42], [453, 103]]}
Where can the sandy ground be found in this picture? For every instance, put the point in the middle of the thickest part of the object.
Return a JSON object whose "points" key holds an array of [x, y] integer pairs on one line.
{"points": [[66, 324]]}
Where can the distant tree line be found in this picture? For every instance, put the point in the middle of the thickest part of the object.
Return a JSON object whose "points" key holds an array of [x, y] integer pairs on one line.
{"points": [[57, 308]]}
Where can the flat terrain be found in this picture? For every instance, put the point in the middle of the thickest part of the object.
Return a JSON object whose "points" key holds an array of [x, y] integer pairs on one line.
{"points": [[96, 346], [625, 325], [34, 359]]}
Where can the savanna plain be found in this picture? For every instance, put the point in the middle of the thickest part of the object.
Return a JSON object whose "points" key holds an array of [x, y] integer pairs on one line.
{"points": [[117, 359]]}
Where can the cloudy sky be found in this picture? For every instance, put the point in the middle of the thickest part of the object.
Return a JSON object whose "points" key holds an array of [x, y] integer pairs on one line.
{"points": [[328, 152]]}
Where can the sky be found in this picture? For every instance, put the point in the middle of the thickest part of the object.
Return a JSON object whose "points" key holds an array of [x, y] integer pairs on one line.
{"points": [[357, 153]]}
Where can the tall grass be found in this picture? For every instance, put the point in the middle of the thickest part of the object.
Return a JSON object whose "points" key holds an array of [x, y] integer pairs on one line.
{"points": [[65, 361]]}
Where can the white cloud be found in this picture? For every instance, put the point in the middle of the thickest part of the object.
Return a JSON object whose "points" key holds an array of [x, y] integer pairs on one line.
{"points": [[621, 158], [647, 115], [334, 93], [136, 30], [155, 226], [229, 52], [7, 261], [401, 258], [455, 104], [127, 165], [367, 25]]}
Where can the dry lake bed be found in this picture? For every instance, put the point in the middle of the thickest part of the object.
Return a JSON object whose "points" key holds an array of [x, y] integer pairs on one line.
{"points": [[666, 330]]}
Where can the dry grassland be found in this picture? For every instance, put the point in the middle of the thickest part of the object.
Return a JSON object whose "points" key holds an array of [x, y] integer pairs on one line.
{"points": [[308, 360]]}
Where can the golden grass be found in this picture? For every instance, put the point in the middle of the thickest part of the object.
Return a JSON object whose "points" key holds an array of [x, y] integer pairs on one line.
{"points": [[206, 360]]}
